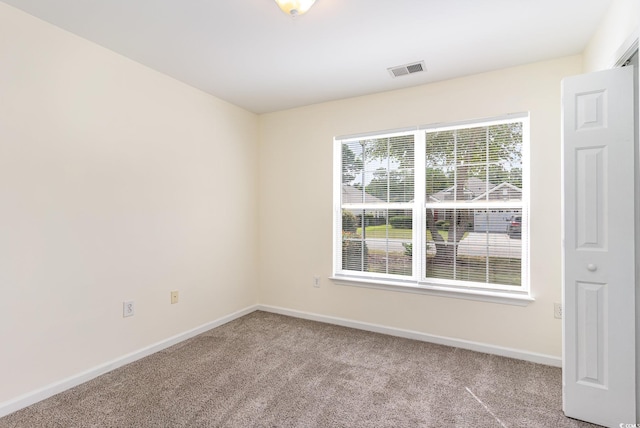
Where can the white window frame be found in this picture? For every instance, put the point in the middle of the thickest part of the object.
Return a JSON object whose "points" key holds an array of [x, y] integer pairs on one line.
{"points": [[417, 283]]}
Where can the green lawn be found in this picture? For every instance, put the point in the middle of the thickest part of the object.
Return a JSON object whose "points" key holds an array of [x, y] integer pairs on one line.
{"points": [[381, 232]]}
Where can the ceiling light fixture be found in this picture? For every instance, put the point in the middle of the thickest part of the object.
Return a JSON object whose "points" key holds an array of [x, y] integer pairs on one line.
{"points": [[295, 7]]}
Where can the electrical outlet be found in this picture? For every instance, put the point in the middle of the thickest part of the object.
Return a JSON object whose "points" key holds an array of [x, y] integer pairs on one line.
{"points": [[316, 281], [128, 308], [557, 310], [174, 297]]}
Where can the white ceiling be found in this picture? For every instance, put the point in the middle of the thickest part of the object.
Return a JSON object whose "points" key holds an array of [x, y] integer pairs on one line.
{"points": [[249, 53]]}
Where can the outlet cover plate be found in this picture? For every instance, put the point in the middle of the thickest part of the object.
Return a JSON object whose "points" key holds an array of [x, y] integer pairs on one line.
{"points": [[128, 308], [557, 310]]}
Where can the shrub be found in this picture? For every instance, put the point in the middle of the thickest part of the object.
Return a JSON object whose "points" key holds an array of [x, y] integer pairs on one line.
{"points": [[401, 222], [371, 220], [408, 248], [349, 222], [354, 252]]}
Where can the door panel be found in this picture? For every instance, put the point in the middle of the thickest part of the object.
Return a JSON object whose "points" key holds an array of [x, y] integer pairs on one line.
{"points": [[591, 197], [591, 329], [598, 254]]}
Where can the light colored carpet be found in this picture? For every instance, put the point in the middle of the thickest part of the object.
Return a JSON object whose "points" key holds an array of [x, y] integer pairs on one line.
{"points": [[267, 370]]}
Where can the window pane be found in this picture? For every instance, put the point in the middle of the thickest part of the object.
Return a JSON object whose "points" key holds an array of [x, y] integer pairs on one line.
{"points": [[440, 166], [445, 229], [440, 148], [354, 253], [439, 182], [505, 162], [475, 164], [471, 158], [352, 173], [379, 170], [383, 245], [480, 245], [390, 244], [505, 144], [471, 147]]}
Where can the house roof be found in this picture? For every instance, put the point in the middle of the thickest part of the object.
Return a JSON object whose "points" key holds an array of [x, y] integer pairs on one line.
{"points": [[472, 188], [501, 190], [475, 189], [352, 195]]}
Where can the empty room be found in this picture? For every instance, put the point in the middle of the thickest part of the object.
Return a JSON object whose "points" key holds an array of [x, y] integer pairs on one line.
{"points": [[361, 213]]}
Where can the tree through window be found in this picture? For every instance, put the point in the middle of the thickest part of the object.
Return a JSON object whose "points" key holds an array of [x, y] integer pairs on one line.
{"points": [[438, 206]]}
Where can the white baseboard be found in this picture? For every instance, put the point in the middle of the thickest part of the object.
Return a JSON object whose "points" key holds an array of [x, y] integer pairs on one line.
{"points": [[33, 397], [533, 357]]}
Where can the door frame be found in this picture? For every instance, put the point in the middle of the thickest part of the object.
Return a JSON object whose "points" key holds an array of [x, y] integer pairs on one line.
{"points": [[620, 58]]}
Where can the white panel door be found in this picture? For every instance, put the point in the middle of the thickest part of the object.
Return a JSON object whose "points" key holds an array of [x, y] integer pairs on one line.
{"points": [[598, 256]]}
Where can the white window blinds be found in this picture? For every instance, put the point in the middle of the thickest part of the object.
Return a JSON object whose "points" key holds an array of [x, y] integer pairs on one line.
{"points": [[377, 193], [474, 203], [441, 206]]}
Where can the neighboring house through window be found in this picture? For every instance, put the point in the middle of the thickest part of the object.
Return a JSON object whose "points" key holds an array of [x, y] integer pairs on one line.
{"points": [[438, 209]]}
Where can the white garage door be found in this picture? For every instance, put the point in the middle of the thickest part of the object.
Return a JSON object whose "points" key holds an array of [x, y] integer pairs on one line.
{"points": [[495, 221]]}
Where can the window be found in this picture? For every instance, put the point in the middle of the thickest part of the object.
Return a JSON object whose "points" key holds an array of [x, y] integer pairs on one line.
{"points": [[436, 209]]}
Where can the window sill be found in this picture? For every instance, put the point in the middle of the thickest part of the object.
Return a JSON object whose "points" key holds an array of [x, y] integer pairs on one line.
{"points": [[491, 296]]}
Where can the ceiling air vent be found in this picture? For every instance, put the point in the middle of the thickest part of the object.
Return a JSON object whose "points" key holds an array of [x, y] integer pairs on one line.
{"points": [[404, 70]]}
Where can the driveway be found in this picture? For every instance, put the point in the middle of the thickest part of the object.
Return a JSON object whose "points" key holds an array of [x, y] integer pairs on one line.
{"points": [[475, 244], [497, 244]]}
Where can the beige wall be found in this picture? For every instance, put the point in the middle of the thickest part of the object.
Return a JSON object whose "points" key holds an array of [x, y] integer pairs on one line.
{"points": [[119, 183], [620, 23], [116, 183], [295, 194]]}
